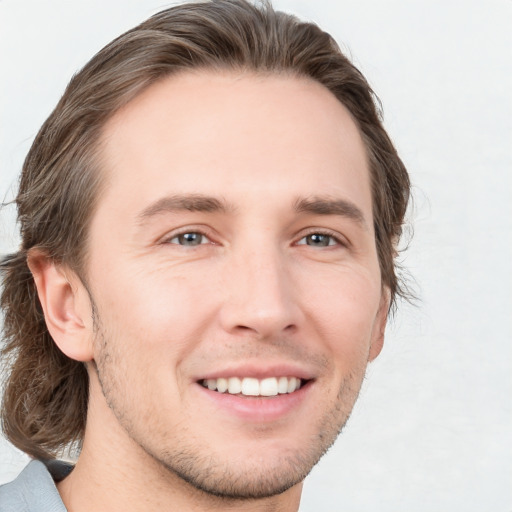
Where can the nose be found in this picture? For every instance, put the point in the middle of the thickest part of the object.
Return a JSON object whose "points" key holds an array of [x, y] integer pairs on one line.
{"points": [[260, 297]]}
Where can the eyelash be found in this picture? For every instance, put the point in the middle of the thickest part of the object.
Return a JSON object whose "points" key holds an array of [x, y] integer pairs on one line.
{"points": [[169, 239], [323, 233]]}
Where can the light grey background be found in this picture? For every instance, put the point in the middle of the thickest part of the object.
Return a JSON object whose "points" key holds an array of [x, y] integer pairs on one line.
{"points": [[432, 429]]}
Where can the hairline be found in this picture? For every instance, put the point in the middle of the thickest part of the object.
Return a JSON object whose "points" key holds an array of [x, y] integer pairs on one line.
{"points": [[100, 139]]}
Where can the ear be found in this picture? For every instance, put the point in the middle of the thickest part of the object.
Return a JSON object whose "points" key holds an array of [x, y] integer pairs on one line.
{"points": [[379, 325], [66, 306]]}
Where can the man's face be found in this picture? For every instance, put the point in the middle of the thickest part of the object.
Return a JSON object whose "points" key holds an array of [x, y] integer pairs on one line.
{"points": [[233, 247]]}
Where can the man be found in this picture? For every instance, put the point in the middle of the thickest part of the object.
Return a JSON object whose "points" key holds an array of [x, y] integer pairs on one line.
{"points": [[209, 221]]}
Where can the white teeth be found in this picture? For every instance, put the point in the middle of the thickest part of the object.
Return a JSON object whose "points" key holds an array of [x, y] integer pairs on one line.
{"points": [[282, 385], [234, 385], [249, 386], [222, 385], [292, 384], [268, 387]]}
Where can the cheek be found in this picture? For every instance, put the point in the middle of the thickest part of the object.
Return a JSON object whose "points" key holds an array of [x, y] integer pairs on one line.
{"points": [[344, 313], [155, 317], [144, 332]]}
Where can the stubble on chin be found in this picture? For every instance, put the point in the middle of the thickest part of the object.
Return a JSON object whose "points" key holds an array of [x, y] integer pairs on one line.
{"points": [[222, 476], [195, 461], [257, 479]]}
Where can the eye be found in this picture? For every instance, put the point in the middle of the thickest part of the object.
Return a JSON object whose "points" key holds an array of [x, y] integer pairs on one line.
{"points": [[189, 239], [319, 240]]}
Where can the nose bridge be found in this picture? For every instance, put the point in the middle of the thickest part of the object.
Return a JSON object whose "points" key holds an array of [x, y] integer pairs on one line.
{"points": [[260, 296]]}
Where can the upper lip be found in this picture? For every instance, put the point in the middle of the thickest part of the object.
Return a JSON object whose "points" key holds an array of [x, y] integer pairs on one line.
{"points": [[259, 370]]}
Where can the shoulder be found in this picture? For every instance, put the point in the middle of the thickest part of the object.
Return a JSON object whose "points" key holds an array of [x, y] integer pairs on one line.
{"points": [[33, 490]]}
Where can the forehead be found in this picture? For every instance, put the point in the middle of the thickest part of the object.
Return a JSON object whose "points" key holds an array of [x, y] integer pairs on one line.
{"points": [[234, 134]]}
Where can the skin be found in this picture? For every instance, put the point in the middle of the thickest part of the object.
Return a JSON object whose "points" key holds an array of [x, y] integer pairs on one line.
{"points": [[271, 174]]}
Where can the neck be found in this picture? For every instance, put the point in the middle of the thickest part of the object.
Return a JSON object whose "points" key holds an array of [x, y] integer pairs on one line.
{"points": [[114, 473]]}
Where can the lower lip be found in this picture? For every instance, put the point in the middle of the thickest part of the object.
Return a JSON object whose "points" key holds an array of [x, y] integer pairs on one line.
{"points": [[258, 409]]}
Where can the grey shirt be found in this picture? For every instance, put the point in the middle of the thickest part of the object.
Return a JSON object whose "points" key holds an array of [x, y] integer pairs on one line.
{"points": [[34, 490]]}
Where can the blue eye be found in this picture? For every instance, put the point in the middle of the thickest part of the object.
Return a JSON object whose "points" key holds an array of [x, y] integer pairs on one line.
{"points": [[189, 239], [318, 240]]}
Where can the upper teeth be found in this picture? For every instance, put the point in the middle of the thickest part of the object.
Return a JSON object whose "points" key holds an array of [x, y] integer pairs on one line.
{"points": [[249, 386]]}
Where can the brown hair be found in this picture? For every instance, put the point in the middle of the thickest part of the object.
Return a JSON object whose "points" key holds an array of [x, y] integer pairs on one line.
{"points": [[46, 393]]}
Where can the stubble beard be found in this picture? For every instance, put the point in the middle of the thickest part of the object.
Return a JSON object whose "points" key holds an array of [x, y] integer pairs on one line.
{"points": [[197, 465]]}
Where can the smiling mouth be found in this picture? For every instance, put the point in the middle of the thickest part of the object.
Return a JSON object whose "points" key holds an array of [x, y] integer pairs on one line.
{"points": [[249, 386]]}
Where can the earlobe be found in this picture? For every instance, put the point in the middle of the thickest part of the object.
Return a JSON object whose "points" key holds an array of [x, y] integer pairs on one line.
{"points": [[65, 306], [379, 326]]}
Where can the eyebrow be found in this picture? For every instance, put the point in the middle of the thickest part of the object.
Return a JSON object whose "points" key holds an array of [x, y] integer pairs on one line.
{"points": [[330, 206], [189, 202], [202, 203]]}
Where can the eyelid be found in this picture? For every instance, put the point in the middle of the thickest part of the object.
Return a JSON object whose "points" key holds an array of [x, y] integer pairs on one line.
{"points": [[340, 239], [207, 233], [201, 230]]}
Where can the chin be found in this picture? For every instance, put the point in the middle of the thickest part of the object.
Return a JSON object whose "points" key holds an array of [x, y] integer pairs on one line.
{"points": [[247, 481], [266, 469]]}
